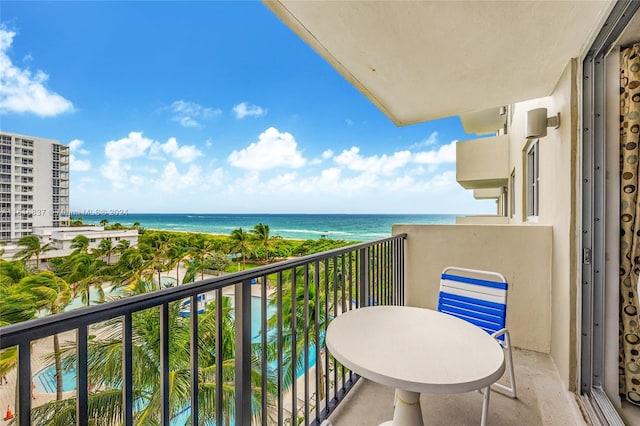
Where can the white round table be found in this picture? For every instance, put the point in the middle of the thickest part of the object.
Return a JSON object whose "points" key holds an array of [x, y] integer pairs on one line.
{"points": [[415, 350]]}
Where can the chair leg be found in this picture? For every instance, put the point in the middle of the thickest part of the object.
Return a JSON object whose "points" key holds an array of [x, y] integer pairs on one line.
{"points": [[485, 405], [512, 378]]}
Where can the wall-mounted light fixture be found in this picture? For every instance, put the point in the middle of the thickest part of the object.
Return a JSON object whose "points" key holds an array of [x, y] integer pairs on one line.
{"points": [[537, 123]]}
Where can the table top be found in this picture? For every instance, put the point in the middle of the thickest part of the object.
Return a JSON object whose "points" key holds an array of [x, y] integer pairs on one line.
{"points": [[415, 349]]}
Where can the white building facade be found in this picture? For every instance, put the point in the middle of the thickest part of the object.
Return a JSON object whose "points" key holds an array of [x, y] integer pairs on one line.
{"points": [[34, 184], [61, 239]]}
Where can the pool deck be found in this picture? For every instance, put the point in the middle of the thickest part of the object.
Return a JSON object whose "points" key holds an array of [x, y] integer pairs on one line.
{"points": [[41, 349]]}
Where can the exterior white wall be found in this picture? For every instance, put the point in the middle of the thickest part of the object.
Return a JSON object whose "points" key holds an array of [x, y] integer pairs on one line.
{"points": [[42, 182], [482, 220], [483, 162], [62, 238], [522, 253], [559, 186], [39, 211]]}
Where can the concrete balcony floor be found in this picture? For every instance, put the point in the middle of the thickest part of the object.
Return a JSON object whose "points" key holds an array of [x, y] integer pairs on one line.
{"points": [[541, 401]]}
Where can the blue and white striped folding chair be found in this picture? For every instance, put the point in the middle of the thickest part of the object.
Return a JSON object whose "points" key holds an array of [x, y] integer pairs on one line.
{"points": [[479, 297]]}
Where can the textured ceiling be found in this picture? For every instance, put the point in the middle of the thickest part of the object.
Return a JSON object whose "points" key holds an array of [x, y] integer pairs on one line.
{"points": [[424, 60]]}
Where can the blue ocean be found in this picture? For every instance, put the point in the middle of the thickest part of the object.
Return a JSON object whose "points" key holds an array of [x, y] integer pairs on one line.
{"points": [[348, 227]]}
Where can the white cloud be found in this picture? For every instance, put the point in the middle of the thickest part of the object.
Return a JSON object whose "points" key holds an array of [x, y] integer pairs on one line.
{"points": [[172, 181], [215, 177], [243, 110], [444, 154], [137, 180], [188, 113], [134, 145], [129, 154], [384, 164], [325, 156], [273, 149], [443, 181], [116, 172], [22, 91], [75, 147], [431, 140], [184, 153], [75, 164], [332, 174]]}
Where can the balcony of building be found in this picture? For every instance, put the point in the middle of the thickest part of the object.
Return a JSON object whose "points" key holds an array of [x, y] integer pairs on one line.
{"points": [[400, 270], [483, 163]]}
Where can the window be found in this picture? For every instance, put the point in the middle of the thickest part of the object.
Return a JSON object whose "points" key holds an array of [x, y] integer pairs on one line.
{"points": [[533, 180]]}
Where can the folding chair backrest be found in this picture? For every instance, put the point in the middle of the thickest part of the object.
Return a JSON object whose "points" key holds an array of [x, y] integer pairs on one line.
{"points": [[480, 301]]}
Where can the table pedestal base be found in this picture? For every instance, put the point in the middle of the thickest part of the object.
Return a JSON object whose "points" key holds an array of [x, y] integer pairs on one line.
{"points": [[407, 411]]}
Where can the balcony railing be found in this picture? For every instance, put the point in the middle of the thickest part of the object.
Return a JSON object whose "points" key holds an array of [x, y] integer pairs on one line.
{"points": [[273, 379]]}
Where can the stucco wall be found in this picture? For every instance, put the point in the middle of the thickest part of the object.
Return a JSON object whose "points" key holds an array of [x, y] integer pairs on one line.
{"points": [[558, 208], [522, 253]]}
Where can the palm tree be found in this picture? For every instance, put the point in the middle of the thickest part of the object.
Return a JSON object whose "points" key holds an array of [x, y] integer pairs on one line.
{"points": [[261, 235], [156, 251], [315, 296], [32, 247], [105, 359], [106, 248], [241, 243], [199, 252], [104, 222], [122, 246], [15, 306], [76, 221], [80, 244], [53, 294], [11, 273], [133, 272], [84, 271], [176, 254]]}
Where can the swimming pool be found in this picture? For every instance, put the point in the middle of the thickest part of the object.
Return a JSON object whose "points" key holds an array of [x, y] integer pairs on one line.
{"points": [[94, 298]]}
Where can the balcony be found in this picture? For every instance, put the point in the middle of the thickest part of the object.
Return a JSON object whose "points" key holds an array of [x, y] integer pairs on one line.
{"points": [[399, 270], [483, 163]]}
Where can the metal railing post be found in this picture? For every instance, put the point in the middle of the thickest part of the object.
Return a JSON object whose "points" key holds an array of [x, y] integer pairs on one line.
{"points": [[364, 277], [127, 369], [24, 384], [82, 384], [243, 352], [164, 364], [193, 345]]}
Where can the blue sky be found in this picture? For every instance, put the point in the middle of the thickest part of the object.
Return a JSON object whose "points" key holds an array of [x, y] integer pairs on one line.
{"points": [[212, 107]]}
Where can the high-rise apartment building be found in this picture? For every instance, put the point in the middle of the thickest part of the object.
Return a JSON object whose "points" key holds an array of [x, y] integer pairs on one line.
{"points": [[34, 184]]}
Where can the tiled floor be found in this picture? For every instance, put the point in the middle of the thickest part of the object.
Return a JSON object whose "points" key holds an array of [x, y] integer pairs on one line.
{"points": [[541, 401]]}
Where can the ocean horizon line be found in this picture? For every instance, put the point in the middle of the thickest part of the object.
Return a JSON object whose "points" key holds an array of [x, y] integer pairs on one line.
{"points": [[343, 226], [116, 212]]}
